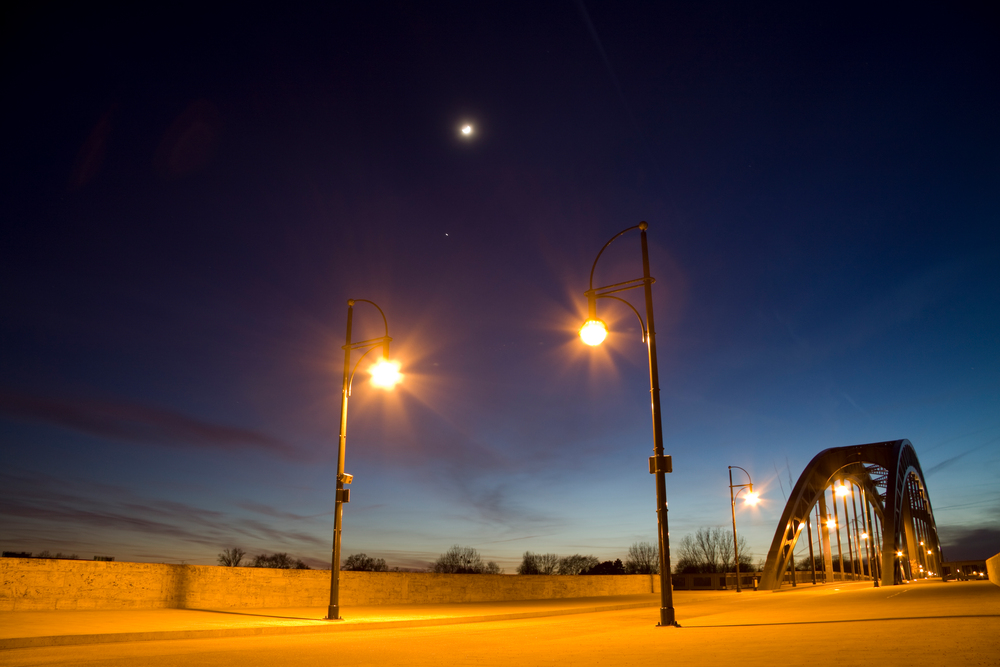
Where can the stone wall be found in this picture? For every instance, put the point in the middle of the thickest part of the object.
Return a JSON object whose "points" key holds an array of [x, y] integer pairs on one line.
{"points": [[993, 569], [42, 583]]}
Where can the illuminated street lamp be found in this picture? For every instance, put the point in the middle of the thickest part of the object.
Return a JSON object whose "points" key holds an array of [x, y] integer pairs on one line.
{"points": [[385, 375], [593, 332], [751, 499]]}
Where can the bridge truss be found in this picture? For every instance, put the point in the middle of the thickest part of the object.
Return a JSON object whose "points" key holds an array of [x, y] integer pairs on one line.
{"points": [[887, 527]]}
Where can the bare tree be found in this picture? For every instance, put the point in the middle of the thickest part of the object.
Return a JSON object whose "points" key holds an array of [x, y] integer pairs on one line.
{"points": [[365, 563], [643, 558], [281, 561], [711, 550], [463, 560], [746, 558], [491, 567], [538, 563], [607, 567], [576, 564], [231, 557]]}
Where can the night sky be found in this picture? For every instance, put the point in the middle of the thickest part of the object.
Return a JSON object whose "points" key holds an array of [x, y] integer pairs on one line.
{"points": [[190, 196]]}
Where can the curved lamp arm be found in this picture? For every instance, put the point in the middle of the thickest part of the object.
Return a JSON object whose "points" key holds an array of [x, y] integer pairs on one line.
{"points": [[749, 479], [384, 321], [642, 325], [350, 382], [602, 251], [743, 488]]}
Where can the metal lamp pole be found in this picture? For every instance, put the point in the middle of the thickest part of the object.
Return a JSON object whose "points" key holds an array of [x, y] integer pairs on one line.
{"points": [[344, 495], [732, 504], [659, 464]]}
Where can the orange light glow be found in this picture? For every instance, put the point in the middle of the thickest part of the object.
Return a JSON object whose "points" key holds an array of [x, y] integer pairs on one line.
{"points": [[593, 332], [385, 374], [752, 498], [831, 524], [842, 490]]}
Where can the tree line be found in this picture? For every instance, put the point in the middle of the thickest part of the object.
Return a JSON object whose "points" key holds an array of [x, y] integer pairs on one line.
{"points": [[711, 550], [233, 557], [708, 550], [642, 558]]}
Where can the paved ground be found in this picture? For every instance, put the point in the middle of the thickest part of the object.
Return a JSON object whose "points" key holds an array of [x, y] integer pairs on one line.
{"points": [[24, 629], [929, 623]]}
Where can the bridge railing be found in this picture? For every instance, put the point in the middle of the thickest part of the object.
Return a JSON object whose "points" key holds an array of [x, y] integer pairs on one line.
{"points": [[717, 581], [714, 581]]}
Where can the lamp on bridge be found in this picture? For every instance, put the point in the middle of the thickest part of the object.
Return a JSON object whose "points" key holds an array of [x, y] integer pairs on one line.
{"points": [[752, 498], [385, 375], [593, 332]]}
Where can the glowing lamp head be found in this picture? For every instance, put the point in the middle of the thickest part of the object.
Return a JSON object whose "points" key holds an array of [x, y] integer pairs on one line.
{"points": [[466, 130], [864, 536], [842, 490], [899, 553], [752, 498], [831, 524], [593, 332], [385, 374]]}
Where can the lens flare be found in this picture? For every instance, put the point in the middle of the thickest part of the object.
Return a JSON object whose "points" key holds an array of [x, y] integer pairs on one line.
{"points": [[593, 332], [385, 374], [752, 498]]}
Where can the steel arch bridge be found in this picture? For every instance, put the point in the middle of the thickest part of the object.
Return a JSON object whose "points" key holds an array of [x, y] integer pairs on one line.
{"points": [[894, 537]]}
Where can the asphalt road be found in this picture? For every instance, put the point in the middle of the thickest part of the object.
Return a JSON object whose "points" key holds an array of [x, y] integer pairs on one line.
{"points": [[923, 624]]}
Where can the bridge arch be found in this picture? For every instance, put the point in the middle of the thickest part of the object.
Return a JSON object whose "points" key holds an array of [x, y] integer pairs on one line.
{"points": [[899, 535]]}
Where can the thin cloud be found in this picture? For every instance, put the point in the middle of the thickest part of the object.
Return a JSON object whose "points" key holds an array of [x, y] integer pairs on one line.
{"points": [[42, 500], [267, 510], [101, 519], [129, 422], [947, 463], [491, 504], [960, 543]]}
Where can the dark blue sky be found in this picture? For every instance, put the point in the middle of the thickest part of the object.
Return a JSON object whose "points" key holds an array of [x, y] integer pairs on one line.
{"points": [[190, 196]]}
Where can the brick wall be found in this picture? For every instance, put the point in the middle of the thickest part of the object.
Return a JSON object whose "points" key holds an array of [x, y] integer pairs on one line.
{"points": [[41, 583]]}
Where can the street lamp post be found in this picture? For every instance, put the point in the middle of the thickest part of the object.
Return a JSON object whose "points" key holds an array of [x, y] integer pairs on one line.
{"points": [[751, 499], [593, 332], [385, 374]]}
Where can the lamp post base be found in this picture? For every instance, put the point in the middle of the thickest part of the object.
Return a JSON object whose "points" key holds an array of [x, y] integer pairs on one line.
{"points": [[667, 618], [333, 613]]}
